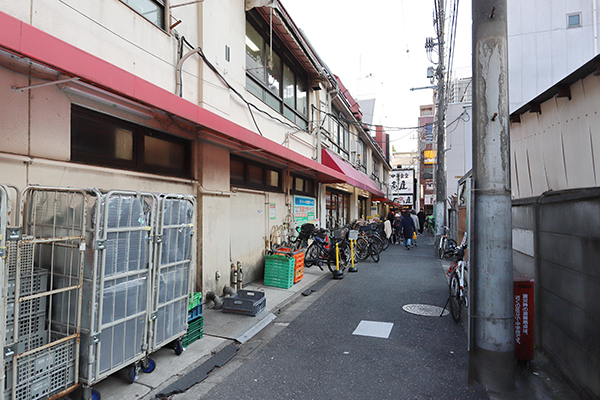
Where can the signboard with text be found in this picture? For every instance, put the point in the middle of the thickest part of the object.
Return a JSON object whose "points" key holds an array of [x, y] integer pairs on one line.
{"points": [[305, 210], [402, 186]]}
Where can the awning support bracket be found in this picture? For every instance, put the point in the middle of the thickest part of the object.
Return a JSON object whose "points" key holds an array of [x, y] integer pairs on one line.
{"points": [[24, 88]]}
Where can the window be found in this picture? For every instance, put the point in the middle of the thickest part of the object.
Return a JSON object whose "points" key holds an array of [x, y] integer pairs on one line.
{"points": [[152, 10], [303, 186], [573, 20], [99, 139], [340, 135], [273, 76], [250, 174], [428, 172]]}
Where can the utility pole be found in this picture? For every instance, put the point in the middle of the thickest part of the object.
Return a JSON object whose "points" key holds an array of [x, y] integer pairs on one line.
{"points": [[491, 359], [440, 180]]}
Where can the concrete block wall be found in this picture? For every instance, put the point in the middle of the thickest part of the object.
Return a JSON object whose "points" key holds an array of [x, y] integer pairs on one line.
{"points": [[565, 226]]}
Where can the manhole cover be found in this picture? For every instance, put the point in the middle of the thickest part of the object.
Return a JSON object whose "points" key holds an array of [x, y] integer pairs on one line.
{"points": [[425, 310]]}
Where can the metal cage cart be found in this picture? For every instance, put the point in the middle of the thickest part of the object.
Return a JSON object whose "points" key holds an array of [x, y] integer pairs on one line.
{"points": [[172, 273], [117, 279], [4, 204], [44, 294]]}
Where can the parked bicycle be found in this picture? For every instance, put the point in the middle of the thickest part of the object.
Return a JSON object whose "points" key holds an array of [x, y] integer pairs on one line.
{"points": [[458, 285], [369, 243], [322, 250], [446, 246]]}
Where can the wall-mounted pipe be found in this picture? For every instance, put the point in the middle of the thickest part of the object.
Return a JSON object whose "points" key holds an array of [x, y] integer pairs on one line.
{"points": [[218, 303]]}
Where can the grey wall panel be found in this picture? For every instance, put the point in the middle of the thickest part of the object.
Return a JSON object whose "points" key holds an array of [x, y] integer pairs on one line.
{"points": [[523, 264]]}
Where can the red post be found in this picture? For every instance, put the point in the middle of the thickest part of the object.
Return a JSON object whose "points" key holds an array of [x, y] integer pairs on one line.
{"points": [[523, 289]]}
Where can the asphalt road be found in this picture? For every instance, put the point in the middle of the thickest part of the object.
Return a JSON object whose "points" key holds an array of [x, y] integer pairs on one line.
{"points": [[310, 351]]}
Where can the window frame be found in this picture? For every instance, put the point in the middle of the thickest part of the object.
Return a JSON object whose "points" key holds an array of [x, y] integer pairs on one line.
{"points": [[138, 162], [162, 8], [266, 95], [576, 14], [245, 182], [306, 191]]}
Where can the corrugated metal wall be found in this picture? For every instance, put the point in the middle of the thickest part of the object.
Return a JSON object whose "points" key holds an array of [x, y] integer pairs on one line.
{"points": [[558, 148]]}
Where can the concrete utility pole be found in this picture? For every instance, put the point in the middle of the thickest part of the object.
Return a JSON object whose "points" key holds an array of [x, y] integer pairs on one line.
{"points": [[440, 180], [492, 308]]}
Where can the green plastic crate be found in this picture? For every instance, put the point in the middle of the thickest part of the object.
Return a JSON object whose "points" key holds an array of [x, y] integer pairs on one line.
{"points": [[279, 271], [195, 300], [279, 283], [194, 332]]}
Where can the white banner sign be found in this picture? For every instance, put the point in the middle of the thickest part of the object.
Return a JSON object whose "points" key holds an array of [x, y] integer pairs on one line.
{"points": [[402, 182]]}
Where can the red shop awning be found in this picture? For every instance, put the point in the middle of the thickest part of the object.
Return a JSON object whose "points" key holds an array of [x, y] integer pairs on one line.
{"points": [[24, 40], [353, 177]]}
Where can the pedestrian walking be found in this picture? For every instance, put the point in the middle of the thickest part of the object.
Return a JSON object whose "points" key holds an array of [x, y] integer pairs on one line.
{"points": [[421, 216], [397, 227], [408, 228], [413, 215]]}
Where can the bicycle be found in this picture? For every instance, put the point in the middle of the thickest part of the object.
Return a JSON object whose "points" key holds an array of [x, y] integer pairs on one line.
{"points": [[430, 226], [446, 246], [458, 286], [323, 250], [368, 244]]}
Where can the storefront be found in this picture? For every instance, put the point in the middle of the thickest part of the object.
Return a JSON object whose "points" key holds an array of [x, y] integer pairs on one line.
{"points": [[337, 208]]}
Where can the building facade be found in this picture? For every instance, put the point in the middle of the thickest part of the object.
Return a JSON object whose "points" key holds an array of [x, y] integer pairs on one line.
{"points": [[225, 101], [548, 40]]}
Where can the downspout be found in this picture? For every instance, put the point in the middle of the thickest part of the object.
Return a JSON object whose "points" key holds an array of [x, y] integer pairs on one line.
{"points": [[178, 70], [595, 25]]}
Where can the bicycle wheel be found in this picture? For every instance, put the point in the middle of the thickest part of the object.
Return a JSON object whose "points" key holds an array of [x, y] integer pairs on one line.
{"points": [[361, 251], [442, 246], [312, 255], [377, 242], [343, 259], [455, 301], [386, 242], [374, 253]]}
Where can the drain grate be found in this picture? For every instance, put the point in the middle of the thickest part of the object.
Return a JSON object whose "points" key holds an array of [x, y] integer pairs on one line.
{"points": [[425, 310]]}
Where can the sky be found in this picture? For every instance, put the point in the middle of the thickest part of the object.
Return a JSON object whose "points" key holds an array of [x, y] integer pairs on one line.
{"points": [[385, 40]]}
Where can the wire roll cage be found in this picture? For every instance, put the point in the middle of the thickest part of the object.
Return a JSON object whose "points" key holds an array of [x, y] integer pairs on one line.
{"points": [[42, 355], [118, 272], [173, 270]]}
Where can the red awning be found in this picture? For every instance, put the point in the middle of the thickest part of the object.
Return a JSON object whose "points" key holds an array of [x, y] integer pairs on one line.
{"points": [[353, 177], [25, 40]]}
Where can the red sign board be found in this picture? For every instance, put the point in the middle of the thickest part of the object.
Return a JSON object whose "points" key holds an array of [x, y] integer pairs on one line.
{"points": [[523, 292]]}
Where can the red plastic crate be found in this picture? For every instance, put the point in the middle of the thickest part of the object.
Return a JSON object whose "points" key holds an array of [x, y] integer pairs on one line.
{"points": [[299, 263]]}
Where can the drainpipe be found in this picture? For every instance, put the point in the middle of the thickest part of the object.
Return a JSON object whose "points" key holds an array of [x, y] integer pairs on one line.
{"points": [[595, 25], [491, 358], [178, 70]]}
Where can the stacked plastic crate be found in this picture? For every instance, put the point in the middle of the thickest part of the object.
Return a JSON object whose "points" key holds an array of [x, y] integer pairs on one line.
{"points": [[279, 271], [195, 329]]}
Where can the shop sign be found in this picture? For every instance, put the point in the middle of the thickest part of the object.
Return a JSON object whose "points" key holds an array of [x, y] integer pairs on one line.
{"points": [[272, 211], [407, 200], [429, 200], [343, 186], [402, 186], [430, 156], [362, 193], [402, 182], [305, 209]]}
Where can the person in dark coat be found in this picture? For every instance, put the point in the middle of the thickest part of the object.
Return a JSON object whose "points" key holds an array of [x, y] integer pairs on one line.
{"points": [[421, 215], [390, 216], [408, 227]]}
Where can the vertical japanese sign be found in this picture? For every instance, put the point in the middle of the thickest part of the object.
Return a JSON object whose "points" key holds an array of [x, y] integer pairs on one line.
{"points": [[402, 186], [305, 209], [272, 211]]}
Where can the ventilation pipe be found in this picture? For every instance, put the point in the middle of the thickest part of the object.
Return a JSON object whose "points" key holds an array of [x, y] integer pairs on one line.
{"points": [[228, 291], [218, 303]]}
